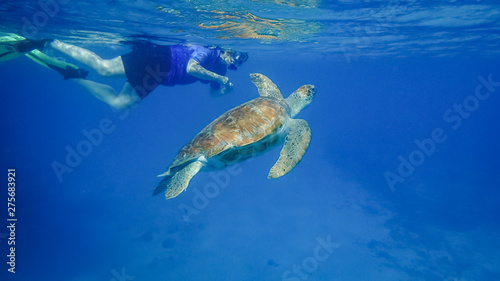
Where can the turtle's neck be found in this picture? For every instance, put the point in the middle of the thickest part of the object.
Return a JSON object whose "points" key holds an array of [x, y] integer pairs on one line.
{"points": [[296, 103]]}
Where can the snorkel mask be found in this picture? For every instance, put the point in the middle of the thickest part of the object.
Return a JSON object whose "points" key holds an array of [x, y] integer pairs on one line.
{"points": [[238, 58]]}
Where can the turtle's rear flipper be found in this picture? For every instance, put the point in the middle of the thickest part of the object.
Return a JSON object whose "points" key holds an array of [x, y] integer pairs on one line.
{"points": [[296, 143], [174, 184]]}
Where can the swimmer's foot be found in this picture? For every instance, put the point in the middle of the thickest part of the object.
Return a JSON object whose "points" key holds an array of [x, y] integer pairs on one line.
{"points": [[28, 45], [70, 72]]}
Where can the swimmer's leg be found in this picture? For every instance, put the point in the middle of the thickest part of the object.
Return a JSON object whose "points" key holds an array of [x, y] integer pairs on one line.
{"points": [[126, 98], [112, 67]]}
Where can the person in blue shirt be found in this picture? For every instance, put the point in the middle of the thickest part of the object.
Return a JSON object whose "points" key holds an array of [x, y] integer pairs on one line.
{"points": [[147, 66]]}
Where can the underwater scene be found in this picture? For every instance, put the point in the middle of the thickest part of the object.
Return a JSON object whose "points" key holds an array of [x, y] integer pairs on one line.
{"points": [[250, 140]]}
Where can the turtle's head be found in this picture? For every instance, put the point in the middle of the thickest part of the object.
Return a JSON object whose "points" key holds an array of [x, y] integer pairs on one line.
{"points": [[301, 98], [306, 93]]}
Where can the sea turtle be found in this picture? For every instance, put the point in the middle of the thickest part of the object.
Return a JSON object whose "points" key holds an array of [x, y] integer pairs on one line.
{"points": [[243, 132]]}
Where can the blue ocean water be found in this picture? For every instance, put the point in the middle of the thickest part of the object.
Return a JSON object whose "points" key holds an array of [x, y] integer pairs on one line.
{"points": [[400, 181]]}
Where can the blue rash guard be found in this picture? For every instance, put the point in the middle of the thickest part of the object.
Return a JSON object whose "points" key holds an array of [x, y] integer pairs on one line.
{"points": [[146, 67], [180, 56]]}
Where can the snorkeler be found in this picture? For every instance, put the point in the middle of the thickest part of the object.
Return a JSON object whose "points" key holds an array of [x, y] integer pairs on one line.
{"points": [[147, 66]]}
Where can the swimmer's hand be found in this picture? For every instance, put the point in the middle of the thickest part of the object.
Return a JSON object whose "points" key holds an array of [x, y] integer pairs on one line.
{"points": [[225, 89], [225, 86], [222, 88]]}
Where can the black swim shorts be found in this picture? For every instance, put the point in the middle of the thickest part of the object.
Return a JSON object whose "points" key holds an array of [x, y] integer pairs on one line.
{"points": [[146, 67]]}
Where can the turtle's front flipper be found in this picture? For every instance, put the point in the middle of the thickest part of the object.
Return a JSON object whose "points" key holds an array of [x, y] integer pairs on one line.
{"points": [[265, 86], [296, 143], [178, 182]]}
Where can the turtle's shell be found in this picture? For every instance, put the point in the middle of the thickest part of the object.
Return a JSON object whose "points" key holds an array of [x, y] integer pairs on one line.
{"points": [[238, 134]]}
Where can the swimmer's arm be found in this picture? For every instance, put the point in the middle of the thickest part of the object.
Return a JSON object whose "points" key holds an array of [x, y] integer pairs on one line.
{"points": [[195, 69]]}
